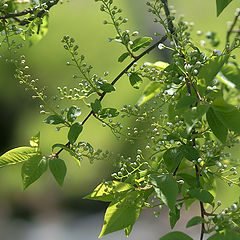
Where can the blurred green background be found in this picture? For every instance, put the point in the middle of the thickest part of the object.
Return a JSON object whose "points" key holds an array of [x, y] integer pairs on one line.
{"points": [[20, 118]]}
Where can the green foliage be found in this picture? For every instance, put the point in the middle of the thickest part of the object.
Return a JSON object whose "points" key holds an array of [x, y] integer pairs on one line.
{"points": [[221, 4], [185, 122], [33, 169], [58, 169], [195, 221]]}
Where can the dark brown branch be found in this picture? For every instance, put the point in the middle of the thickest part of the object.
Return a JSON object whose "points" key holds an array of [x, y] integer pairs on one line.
{"points": [[167, 13], [162, 40], [45, 7], [230, 31]]}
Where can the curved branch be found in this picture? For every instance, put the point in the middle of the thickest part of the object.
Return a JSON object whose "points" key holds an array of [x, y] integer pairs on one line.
{"points": [[163, 39]]}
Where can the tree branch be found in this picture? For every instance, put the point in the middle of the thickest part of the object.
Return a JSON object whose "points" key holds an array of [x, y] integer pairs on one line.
{"points": [[163, 39], [45, 7]]}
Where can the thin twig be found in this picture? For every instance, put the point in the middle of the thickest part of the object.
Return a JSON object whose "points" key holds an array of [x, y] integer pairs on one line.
{"points": [[45, 7], [230, 31]]}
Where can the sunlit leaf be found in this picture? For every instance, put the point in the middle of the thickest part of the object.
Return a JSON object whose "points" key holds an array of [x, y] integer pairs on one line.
{"points": [[107, 192], [152, 89], [121, 214], [17, 155]]}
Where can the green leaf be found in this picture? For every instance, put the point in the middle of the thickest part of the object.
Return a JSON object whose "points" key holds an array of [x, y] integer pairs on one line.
{"points": [[1, 27], [176, 236], [109, 112], [210, 69], [58, 169], [152, 89], [195, 221], [107, 87], [226, 235], [227, 114], [54, 119], [174, 216], [73, 113], [135, 80], [96, 106], [74, 132], [221, 4], [189, 152], [219, 130], [33, 169], [186, 102], [40, 29], [17, 155], [140, 43], [159, 65], [189, 179], [172, 158], [231, 75], [34, 141], [193, 115], [122, 213], [123, 56], [70, 151], [202, 195], [166, 188], [108, 192]]}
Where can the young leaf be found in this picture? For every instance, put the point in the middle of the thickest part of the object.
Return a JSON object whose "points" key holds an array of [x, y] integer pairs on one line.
{"points": [[74, 132], [96, 106], [109, 112], [195, 221], [34, 141], [33, 169], [186, 102], [73, 113], [202, 195], [135, 80], [172, 158], [107, 87], [17, 155], [166, 188], [152, 89], [140, 43], [193, 115], [121, 213], [107, 192], [54, 119], [221, 4], [176, 236], [58, 169], [123, 56], [219, 130]]}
